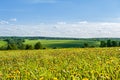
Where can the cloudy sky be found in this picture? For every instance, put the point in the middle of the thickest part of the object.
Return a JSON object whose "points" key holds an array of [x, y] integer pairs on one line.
{"points": [[60, 18]]}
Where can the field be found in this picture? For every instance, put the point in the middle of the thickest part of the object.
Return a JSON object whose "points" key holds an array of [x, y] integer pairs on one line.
{"points": [[58, 43], [61, 64], [63, 43], [2, 43]]}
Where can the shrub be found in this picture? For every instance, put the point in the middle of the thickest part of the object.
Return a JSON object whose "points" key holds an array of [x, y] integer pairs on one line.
{"points": [[38, 45], [28, 47], [54, 47]]}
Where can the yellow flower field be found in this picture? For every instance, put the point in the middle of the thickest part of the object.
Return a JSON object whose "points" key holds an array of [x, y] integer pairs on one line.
{"points": [[61, 64]]}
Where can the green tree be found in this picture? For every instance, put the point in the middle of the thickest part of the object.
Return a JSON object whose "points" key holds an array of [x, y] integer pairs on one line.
{"points": [[28, 47], [103, 44], [109, 43], [85, 45], [9, 47], [119, 44], [38, 45], [12, 47], [114, 43], [14, 43]]}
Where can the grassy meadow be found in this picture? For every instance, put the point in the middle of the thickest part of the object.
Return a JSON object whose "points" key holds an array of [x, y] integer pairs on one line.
{"points": [[61, 64], [2, 43], [63, 43], [57, 43]]}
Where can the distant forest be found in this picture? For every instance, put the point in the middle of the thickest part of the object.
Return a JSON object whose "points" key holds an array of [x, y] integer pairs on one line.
{"points": [[58, 38]]}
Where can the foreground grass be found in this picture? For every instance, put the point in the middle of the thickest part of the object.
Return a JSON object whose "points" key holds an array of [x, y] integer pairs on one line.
{"points": [[61, 64]]}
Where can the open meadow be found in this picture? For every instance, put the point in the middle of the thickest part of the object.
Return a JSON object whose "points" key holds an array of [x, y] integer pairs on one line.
{"points": [[61, 64], [63, 43], [55, 43]]}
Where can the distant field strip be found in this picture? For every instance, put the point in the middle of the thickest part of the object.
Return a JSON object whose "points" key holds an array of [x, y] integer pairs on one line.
{"points": [[61, 64], [63, 43], [2, 43]]}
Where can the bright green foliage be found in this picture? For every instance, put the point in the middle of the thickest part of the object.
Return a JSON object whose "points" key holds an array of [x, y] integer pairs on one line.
{"points": [[61, 64]]}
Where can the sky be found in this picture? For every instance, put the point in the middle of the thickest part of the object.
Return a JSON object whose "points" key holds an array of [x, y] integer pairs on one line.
{"points": [[60, 18]]}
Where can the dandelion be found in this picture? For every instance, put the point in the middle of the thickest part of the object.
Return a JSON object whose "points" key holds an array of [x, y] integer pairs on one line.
{"points": [[10, 76], [85, 79], [42, 78], [17, 71], [1, 74], [55, 79]]}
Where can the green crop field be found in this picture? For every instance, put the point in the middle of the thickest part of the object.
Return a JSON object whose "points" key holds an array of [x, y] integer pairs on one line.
{"points": [[58, 43], [61, 64], [63, 43], [2, 43]]}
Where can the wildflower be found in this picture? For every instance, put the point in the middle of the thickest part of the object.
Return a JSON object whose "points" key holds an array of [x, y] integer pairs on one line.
{"points": [[17, 71], [1, 74], [10, 76], [85, 79], [42, 78], [55, 79]]}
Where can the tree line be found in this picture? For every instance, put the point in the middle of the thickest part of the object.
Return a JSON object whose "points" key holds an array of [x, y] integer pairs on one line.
{"points": [[109, 43], [104, 43], [18, 44]]}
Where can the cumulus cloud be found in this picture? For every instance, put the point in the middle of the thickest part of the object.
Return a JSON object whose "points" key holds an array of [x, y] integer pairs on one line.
{"points": [[8, 21], [3, 22], [63, 29], [13, 19], [83, 22], [61, 22]]}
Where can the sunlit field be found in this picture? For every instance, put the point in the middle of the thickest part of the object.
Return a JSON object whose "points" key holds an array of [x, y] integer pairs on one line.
{"points": [[64, 43], [58, 43], [61, 64]]}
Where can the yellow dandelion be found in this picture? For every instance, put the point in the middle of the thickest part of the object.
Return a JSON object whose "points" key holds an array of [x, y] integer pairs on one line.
{"points": [[85, 79], [1, 74], [10, 76], [42, 78], [55, 79], [17, 71]]}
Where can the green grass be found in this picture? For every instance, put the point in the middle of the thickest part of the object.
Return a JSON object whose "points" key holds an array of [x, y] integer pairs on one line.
{"points": [[61, 64], [2, 43], [63, 43], [58, 43]]}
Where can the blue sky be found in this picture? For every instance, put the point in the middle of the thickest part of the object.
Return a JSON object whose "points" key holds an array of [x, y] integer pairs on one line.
{"points": [[48, 14]]}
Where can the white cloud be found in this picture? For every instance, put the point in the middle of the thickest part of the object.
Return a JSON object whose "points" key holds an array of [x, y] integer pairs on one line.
{"points": [[13, 19], [118, 18], [4, 22], [7, 22], [80, 30], [83, 22], [61, 23]]}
